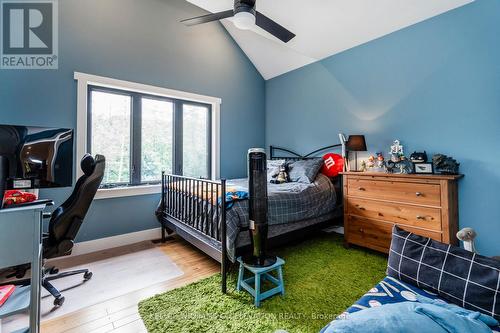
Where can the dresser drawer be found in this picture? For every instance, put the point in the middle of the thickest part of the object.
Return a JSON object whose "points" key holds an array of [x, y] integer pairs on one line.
{"points": [[424, 194], [377, 234], [417, 216]]}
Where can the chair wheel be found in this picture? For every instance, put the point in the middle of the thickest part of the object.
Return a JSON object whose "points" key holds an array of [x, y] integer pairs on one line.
{"points": [[87, 276], [54, 270], [59, 301]]}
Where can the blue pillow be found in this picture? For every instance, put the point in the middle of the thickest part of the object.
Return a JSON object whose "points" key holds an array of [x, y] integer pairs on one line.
{"points": [[305, 171]]}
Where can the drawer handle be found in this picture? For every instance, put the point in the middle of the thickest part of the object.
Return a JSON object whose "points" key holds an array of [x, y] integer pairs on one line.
{"points": [[361, 189], [418, 194], [361, 208], [420, 217]]}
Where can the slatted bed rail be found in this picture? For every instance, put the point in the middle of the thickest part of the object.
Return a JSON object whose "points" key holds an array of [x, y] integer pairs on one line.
{"points": [[196, 208]]}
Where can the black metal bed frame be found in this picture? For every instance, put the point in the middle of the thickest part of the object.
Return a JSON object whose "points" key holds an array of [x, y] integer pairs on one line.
{"points": [[185, 210]]}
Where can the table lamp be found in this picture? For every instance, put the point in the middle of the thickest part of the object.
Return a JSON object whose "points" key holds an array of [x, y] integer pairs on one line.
{"points": [[356, 143]]}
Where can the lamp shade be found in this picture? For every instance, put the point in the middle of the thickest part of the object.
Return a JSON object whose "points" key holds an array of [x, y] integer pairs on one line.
{"points": [[356, 143]]}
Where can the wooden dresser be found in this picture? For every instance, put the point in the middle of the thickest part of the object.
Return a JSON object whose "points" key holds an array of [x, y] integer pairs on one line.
{"points": [[423, 204]]}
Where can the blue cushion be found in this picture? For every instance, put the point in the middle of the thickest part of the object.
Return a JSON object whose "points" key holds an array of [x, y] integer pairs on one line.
{"points": [[304, 171]]}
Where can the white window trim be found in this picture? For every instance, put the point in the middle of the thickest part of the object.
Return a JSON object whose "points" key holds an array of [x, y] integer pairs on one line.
{"points": [[83, 82]]}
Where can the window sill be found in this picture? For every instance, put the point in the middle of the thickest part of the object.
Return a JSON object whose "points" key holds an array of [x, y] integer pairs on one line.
{"points": [[118, 192]]}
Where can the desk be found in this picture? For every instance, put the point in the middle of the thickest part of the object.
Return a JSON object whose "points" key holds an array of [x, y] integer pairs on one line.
{"points": [[21, 243]]}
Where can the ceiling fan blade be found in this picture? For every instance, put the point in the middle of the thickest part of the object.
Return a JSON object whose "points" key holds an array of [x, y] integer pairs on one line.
{"points": [[208, 18], [273, 28]]}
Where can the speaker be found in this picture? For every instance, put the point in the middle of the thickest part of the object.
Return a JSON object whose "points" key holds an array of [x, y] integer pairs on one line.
{"points": [[4, 173], [257, 193]]}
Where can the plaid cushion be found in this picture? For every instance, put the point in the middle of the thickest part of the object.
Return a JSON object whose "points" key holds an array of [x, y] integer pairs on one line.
{"points": [[304, 171], [459, 276]]}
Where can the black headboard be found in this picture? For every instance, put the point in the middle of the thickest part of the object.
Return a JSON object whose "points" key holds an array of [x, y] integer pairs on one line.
{"points": [[295, 156]]}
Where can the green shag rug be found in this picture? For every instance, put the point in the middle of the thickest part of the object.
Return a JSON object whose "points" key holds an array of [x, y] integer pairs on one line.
{"points": [[322, 279]]}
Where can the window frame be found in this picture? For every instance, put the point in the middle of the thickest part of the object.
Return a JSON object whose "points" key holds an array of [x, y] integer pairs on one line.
{"points": [[88, 83]]}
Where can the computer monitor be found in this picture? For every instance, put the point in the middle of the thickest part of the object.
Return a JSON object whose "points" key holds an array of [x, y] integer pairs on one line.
{"points": [[37, 157]]}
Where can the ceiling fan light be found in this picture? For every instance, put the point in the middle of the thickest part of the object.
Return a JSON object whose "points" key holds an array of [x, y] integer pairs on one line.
{"points": [[244, 20]]}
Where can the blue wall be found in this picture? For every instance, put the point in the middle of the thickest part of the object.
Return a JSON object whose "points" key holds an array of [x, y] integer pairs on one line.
{"points": [[434, 85], [140, 41]]}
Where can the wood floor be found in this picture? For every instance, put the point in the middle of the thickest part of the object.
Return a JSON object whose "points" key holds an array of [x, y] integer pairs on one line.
{"points": [[120, 314]]}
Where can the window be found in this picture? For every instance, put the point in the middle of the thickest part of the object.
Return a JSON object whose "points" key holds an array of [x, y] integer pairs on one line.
{"points": [[144, 130], [142, 135], [110, 134], [157, 137], [195, 139]]}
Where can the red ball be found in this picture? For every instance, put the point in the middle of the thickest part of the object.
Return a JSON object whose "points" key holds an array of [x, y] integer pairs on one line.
{"points": [[333, 164]]}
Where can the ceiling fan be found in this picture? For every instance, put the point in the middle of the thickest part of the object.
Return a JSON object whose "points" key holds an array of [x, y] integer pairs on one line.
{"points": [[245, 17]]}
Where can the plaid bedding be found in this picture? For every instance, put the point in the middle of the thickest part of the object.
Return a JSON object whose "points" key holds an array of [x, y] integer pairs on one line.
{"points": [[288, 202]]}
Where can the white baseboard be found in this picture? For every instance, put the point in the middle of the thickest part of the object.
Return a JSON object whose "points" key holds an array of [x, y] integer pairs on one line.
{"points": [[115, 241]]}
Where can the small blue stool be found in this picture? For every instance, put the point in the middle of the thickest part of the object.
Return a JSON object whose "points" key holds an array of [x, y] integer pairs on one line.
{"points": [[261, 274]]}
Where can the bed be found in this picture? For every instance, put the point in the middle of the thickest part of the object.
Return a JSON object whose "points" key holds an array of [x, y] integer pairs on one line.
{"points": [[193, 208]]}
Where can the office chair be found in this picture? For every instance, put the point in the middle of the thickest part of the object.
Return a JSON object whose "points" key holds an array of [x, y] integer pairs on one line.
{"points": [[65, 222]]}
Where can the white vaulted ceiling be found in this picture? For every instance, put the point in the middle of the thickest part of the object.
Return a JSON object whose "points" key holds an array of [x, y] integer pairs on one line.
{"points": [[323, 27]]}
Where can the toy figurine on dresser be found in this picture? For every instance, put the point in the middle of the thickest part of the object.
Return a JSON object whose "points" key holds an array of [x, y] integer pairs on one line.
{"points": [[398, 162], [363, 166], [371, 162], [445, 165], [405, 166], [380, 165], [374, 164], [418, 157], [380, 160]]}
